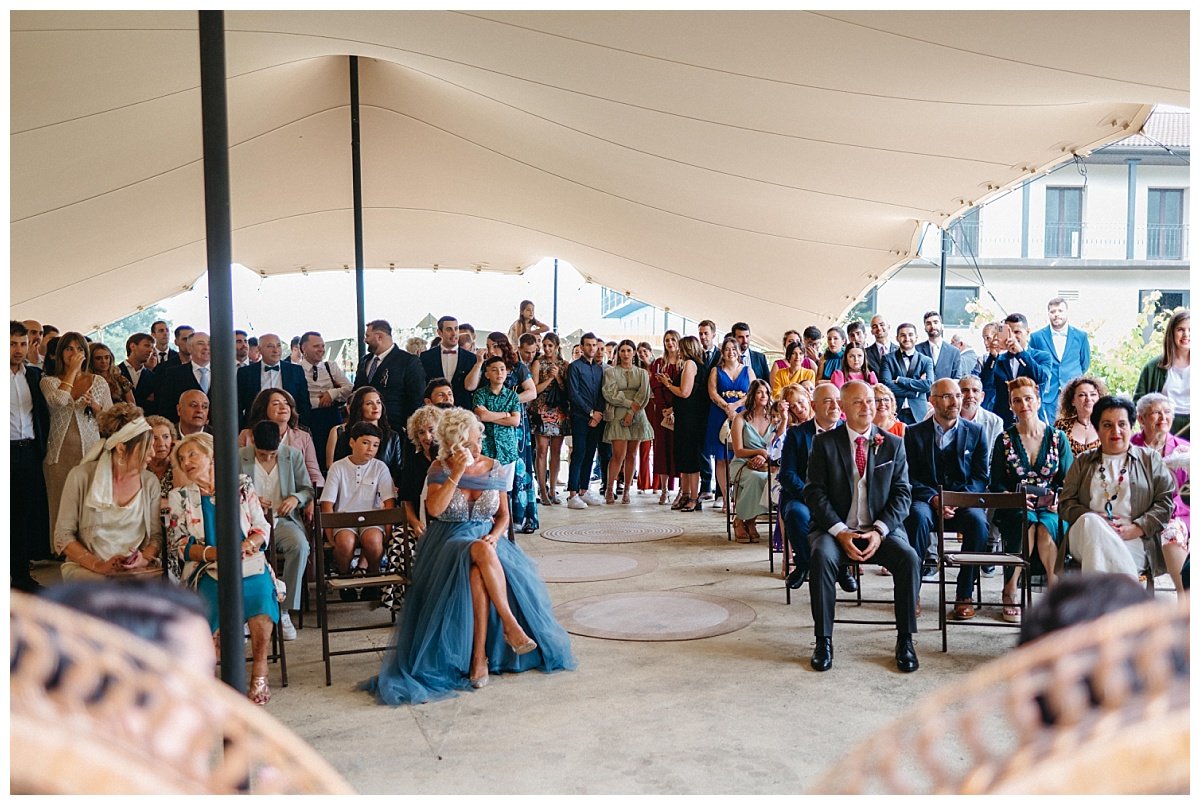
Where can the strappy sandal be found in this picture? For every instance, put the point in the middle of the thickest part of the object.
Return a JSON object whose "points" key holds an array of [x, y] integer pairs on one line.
{"points": [[260, 692], [1011, 612], [680, 502]]}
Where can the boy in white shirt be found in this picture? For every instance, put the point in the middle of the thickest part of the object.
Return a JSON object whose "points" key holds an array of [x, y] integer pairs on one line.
{"points": [[358, 482]]}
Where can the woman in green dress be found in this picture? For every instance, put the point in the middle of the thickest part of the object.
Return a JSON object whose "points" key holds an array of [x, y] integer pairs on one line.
{"points": [[752, 433], [626, 391]]}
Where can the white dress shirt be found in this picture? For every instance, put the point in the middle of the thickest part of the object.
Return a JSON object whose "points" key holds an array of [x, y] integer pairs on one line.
{"points": [[135, 374], [324, 377], [20, 407], [449, 361], [859, 516], [273, 379], [1059, 337]]}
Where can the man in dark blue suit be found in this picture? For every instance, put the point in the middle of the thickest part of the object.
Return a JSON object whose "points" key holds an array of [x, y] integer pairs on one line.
{"points": [[947, 360], [450, 361], [793, 470], [138, 349], [909, 375], [271, 373], [397, 375], [174, 380], [1070, 354], [1009, 358], [951, 453], [29, 428], [750, 357]]}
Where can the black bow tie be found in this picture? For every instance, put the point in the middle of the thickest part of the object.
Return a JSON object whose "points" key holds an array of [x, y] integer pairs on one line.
{"points": [[274, 368]]}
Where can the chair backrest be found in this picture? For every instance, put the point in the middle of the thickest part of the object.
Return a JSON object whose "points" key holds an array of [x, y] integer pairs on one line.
{"points": [[982, 500], [363, 519]]}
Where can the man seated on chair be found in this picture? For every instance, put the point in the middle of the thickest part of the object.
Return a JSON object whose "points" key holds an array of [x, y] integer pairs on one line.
{"points": [[858, 496], [949, 452], [359, 482], [793, 470]]}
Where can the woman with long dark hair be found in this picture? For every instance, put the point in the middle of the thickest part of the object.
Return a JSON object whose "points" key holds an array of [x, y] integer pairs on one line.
{"points": [[1171, 374], [366, 405], [279, 406], [661, 412], [691, 418]]}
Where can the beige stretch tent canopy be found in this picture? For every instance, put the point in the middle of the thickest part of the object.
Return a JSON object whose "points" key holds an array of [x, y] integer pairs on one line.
{"points": [[767, 166]]}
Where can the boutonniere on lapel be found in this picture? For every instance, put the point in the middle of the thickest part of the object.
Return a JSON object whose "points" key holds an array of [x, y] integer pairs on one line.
{"points": [[383, 380], [877, 441]]}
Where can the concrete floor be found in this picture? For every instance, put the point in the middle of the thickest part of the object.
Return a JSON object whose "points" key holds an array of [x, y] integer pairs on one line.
{"points": [[734, 714]]}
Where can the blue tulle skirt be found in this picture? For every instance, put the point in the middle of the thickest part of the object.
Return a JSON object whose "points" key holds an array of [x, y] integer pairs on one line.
{"points": [[430, 656]]}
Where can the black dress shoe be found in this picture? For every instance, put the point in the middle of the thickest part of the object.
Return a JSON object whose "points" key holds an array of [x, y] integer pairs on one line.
{"points": [[822, 658], [906, 655], [797, 577], [847, 580], [929, 571]]}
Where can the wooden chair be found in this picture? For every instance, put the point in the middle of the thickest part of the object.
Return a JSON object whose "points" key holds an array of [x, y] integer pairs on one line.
{"points": [[392, 520], [731, 487], [959, 559]]}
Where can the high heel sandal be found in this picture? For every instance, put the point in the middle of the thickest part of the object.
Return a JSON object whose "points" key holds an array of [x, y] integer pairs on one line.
{"points": [[662, 499], [260, 692], [693, 505], [608, 498], [680, 502], [524, 648], [625, 497]]}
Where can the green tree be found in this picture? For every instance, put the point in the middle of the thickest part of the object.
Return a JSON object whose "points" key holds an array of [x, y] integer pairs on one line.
{"points": [[1120, 364], [114, 335]]}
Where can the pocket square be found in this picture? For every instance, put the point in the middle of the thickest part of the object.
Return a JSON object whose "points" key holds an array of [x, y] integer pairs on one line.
{"points": [[884, 464]]}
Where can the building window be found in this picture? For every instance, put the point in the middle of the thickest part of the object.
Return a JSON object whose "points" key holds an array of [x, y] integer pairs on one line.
{"points": [[1168, 301], [1064, 221], [964, 235], [955, 313], [1165, 232]]}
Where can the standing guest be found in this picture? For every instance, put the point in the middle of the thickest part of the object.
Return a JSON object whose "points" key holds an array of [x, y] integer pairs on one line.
{"points": [[241, 348], [909, 375], [110, 522], [75, 398], [396, 375], [885, 411], [947, 452], [1118, 499], [328, 390], [138, 349], [253, 355], [973, 411], [163, 354], [28, 429], [789, 337], [183, 344], [645, 469], [367, 406], [191, 412], [528, 348], [831, 359], [1171, 374], [576, 352], [854, 367], [747, 356], [968, 360], [728, 383], [415, 346], [990, 333], [793, 475], [661, 413], [610, 352], [1075, 412], [294, 354], [271, 373], [880, 347], [752, 432], [466, 337], [1029, 452], [549, 416], [691, 419], [626, 390], [101, 363], [418, 458], [1069, 349], [176, 379], [947, 360], [283, 486], [499, 410], [1009, 358], [858, 494], [359, 482], [812, 347], [33, 333], [1154, 413], [47, 345], [526, 323], [792, 370], [856, 336], [585, 378], [279, 407], [192, 532], [449, 360], [706, 332]]}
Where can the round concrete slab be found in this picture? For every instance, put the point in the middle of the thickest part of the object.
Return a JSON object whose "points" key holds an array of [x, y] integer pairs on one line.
{"points": [[609, 533], [568, 567], [654, 616]]}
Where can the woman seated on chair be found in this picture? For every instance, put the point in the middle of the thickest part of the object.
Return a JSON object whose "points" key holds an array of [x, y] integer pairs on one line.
{"points": [[752, 433], [278, 406], [110, 523], [476, 605], [1155, 413], [366, 405], [419, 456], [192, 534], [1118, 499], [1030, 453]]}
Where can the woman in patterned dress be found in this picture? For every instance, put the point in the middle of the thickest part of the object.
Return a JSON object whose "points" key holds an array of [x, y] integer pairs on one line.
{"points": [[1075, 412], [551, 422]]}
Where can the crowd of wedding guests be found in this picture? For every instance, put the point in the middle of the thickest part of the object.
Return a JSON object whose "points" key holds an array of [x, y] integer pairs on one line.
{"points": [[850, 432]]}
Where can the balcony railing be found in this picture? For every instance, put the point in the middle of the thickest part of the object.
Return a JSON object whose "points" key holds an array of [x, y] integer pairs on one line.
{"points": [[1103, 241], [1166, 242], [1064, 240]]}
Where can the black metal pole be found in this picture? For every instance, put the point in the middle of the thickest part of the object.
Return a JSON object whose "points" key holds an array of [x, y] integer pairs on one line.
{"points": [[220, 315], [942, 284], [356, 171], [554, 319]]}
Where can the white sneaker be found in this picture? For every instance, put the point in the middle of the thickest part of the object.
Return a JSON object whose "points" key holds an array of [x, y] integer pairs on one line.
{"points": [[576, 503], [286, 630], [706, 497], [592, 499]]}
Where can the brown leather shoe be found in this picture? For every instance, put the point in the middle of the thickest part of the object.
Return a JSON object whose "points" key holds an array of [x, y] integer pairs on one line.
{"points": [[964, 611]]}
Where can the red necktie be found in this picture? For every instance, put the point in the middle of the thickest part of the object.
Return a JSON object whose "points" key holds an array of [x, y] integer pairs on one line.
{"points": [[860, 455]]}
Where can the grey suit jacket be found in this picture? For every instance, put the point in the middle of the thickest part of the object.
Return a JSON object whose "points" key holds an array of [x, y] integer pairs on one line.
{"points": [[829, 489], [293, 477], [949, 362]]}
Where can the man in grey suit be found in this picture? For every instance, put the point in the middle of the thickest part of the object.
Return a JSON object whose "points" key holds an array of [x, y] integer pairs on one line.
{"points": [[909, 375], [858, 495], [947, 360]]}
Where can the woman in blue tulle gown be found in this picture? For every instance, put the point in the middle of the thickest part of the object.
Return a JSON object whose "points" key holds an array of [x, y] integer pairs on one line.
{"points": [[477, 605]]}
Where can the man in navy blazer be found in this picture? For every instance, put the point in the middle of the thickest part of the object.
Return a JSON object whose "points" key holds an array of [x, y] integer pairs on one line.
{"points": [[793, 470], [1009, 358], [397, 375], [858, 494], [29, 429], [271, 372], [878, 350], [750, 357], [450, 361], [951, 453], [946, 358], [174, 380], [138, 349], [1070, 354], [909, 375]]}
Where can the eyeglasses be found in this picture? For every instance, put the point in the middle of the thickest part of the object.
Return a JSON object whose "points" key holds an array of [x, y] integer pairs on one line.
{"points": [[882, 400], [947, 397]]}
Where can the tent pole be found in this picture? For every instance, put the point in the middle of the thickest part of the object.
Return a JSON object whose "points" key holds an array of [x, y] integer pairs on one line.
{"points": [[215, 124], [554, 320], [942, 283], [356, 171]]}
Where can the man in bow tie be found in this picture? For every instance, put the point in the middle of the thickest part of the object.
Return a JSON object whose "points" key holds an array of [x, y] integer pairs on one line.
{"points": [[271, 373], [447, 359]]}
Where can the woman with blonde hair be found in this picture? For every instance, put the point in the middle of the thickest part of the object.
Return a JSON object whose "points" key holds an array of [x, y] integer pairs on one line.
{"points": [[418, 457], [885, 411]]}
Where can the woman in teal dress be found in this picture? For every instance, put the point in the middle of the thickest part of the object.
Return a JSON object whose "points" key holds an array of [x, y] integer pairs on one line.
{"points": [[477, 605], [752, 433], [1012, 467], [192, 536]]}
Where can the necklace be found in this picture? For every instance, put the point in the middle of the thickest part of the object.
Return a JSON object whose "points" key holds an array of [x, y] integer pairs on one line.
{"points": [[1110, 498]]}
